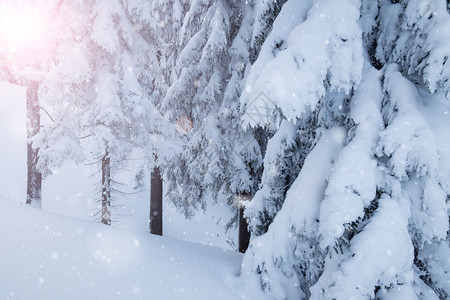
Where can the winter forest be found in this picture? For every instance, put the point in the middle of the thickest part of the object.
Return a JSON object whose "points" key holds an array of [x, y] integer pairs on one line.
{"points": [[225, 149]]}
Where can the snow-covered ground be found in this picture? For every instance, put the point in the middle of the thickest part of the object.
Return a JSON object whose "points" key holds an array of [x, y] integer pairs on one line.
{"points": [[78, 198], [49, 256]]}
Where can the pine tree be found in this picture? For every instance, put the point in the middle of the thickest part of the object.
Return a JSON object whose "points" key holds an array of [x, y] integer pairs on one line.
{"points": [[102, 97], [375, 211], [158, 24], [220, 158]]}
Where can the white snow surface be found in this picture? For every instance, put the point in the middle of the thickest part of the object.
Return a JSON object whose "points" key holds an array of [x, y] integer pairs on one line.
{"points": [[49, 256]]}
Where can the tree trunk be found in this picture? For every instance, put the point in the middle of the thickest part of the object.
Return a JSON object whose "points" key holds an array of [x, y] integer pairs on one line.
{"points": [[156, 190], [34, 177], [244, 234], [106, 189]]}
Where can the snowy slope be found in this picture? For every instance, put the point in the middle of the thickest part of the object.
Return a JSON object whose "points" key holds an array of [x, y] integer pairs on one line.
{"points": [[78, 198], [50, 256]]}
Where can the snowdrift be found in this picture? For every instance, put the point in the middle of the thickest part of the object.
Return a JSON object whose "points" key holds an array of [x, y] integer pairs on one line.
{"points": [[50, 256]]}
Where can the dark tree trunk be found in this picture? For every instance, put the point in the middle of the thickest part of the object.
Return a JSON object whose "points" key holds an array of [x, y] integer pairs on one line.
{"points": [[156, 190], [244, 234], [106, 189], [34, 177]]}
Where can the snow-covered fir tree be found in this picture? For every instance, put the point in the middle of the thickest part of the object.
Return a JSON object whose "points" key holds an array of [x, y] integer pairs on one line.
{"points": [[367, 216], [220, 158], [98, 90]]}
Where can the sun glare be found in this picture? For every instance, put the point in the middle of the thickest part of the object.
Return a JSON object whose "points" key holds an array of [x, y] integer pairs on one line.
{"points": [[22, 29]]}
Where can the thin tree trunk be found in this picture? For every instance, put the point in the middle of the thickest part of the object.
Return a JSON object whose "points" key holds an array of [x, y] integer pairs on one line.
{"points": [[106, 189], [34, 177], [244, 234], [156, 190]]}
